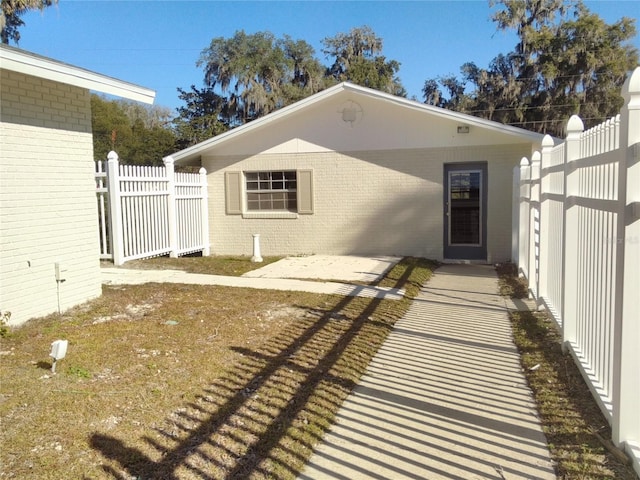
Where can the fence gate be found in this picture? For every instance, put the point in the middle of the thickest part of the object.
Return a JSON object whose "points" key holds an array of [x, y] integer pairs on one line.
{"points": [[148, 211]]}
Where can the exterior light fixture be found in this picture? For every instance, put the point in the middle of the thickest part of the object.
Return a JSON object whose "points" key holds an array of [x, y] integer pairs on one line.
{"points": [[463, 129]]}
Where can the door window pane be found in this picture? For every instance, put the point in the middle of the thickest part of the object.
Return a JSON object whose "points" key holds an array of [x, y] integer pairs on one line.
{"points": [[465, 208]]}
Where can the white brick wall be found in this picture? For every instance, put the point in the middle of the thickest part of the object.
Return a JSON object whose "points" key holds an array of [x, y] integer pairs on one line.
{"points": [[47, 197], [376, 202]]}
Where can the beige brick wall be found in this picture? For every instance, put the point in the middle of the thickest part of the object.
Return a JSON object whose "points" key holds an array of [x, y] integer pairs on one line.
{"points": [[375, 202], [47, 197]]}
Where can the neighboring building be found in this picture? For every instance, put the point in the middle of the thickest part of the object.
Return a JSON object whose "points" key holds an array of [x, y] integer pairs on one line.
{"points": [[352, 170], [49, 254]]}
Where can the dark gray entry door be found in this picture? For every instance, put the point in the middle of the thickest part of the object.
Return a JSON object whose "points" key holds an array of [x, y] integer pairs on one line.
{"points": [[465, 211]]}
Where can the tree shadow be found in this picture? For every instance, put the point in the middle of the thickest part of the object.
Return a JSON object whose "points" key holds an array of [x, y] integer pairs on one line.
{"points": [[262, 418]]}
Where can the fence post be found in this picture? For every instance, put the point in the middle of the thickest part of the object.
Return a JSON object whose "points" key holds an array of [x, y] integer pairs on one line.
{"points": [[523, 227], [575, 127], [534, 227], [515, 217], [171, 206], [545, 227], [206, 251], [626, 383], [115, 208]]}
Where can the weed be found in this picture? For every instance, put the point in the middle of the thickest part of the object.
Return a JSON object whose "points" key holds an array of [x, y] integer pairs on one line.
{"points": [[4, 324], [79, 372], [511, 284]]}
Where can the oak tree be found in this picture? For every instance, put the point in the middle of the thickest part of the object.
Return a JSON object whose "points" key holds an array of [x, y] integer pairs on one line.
{"points": [[258, 73], [139, 134], [11, 13], [357, 57], [567, 61]]}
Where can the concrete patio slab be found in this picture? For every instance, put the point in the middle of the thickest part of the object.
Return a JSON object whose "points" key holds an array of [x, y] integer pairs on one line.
{"points": [[345, 268], [444, 398]]}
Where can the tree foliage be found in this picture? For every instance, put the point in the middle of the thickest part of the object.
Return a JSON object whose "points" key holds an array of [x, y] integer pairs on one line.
{"points": [[11, 12], [201, 117], [248, 76], [567, 61], [257, 73], [139, 134], [357, 58]]}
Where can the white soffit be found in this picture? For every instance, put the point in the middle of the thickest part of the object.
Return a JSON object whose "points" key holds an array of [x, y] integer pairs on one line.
{"points": [[28, 63]]}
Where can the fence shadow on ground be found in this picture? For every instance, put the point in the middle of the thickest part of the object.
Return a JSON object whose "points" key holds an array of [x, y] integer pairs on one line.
{"points": [[254, 421], [444, 397]]}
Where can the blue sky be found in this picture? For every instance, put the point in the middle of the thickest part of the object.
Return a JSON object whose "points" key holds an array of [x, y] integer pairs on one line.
{"points": [[156, 43]]}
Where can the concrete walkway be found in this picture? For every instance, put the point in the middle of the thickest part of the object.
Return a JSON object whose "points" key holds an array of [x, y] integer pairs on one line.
{"points": [[444, 398]]}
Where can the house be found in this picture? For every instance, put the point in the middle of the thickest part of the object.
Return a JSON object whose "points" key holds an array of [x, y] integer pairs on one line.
{"points": [[49, 252], [352, 170]]}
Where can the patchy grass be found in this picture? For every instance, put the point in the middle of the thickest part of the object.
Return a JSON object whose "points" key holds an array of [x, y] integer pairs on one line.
{"points": [[177, 381], [573, 424], [511, 285], [233, 266]]}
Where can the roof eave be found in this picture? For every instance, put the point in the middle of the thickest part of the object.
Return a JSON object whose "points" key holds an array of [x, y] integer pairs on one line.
{"points": [[29, 63], [194, 152], [441, 112]]}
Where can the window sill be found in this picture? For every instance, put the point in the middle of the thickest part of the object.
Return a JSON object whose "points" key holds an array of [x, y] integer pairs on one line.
{"points": [[280, 215]]}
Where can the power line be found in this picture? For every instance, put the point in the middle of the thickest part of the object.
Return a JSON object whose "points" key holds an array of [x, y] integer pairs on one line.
{"points": [[537, 107], [549, 121], [541, 76]]}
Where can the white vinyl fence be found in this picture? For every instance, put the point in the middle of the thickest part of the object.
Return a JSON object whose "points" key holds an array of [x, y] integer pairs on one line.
{"points": [[148, 211], [578, 244]]}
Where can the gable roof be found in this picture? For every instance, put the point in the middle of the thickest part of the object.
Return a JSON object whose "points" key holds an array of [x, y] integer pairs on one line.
{"points": [[195, 151], [28, 63]]}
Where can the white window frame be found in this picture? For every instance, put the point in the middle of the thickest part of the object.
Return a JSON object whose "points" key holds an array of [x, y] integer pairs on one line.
{"points": [[262, 183]]}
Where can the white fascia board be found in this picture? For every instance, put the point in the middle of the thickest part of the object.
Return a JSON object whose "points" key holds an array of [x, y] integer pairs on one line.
{"points": [[35, 65]]}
